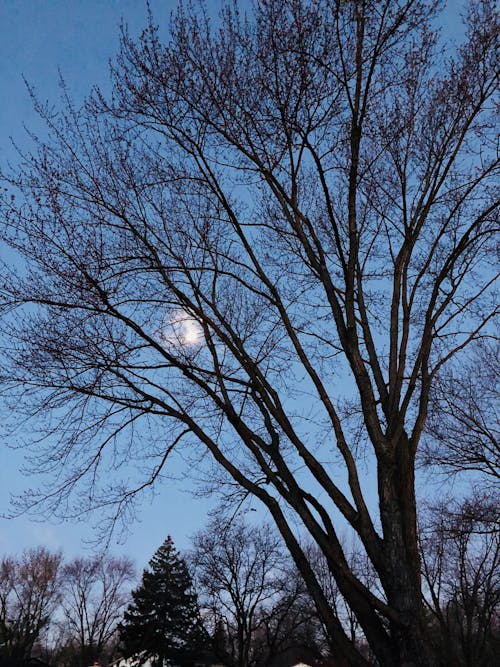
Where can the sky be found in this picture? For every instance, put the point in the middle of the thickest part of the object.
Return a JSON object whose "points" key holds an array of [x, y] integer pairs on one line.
{"points": [[39, 39]]}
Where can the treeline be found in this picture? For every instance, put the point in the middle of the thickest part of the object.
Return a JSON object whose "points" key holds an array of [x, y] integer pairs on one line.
{"points": [[237, 600], [64, 613]]}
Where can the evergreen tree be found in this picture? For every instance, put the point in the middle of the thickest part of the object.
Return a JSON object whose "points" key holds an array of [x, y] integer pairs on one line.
{"points": [[162, 622]]}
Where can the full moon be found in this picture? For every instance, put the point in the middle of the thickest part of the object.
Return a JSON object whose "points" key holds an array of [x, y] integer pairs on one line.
{"points": [[191, 331], [181, 329]]}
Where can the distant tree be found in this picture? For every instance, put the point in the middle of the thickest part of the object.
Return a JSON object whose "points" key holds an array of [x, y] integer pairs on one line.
{"points": [[289, 627], [29, 594], [360, 564], [461, 566], [253, 601], [94, 594], [162, 623]]}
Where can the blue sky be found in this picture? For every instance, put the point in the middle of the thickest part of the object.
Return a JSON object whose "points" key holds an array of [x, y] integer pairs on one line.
{"points": [[78, 37], [37, 38]]}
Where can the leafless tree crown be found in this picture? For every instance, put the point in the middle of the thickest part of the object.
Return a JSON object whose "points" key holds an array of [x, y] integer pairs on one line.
{"points": [[267, 243]]}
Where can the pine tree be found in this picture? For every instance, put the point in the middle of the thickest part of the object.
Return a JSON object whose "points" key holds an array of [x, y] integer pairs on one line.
{"points": [[162, 622]]}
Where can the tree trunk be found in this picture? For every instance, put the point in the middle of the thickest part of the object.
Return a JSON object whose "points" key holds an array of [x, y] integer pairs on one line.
{"points": [[402, 581]]}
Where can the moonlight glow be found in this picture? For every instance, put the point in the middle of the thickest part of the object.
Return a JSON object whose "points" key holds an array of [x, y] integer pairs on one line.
{"points": [[181, 329]]}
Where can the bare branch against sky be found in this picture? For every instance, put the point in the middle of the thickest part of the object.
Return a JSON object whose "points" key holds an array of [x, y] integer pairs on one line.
{"points": [[260, 252]]}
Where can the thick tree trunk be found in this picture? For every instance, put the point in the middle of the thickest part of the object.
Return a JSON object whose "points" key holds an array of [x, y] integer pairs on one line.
{"points": [[402, 581]]}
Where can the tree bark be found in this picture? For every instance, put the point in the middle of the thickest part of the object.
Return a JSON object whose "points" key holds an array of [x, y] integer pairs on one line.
{"points": [[402, 580]]}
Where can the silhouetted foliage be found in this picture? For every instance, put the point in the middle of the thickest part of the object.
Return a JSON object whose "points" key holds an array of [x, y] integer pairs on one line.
{"points": [[162, 623]]}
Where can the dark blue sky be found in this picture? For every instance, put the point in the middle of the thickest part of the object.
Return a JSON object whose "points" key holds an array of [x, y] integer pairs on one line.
{"points": [[78, 37]]}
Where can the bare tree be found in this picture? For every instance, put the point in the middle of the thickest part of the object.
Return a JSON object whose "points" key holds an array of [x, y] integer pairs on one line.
{"points": [[266, 246], [29, 594], [361, 566], [461, 565], [290, 628], [254, 605], [463, 425], [95, 593]]}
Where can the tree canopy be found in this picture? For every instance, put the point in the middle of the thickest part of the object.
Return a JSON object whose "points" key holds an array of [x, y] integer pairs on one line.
{"points": [[29, 594], [262, 250]]}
